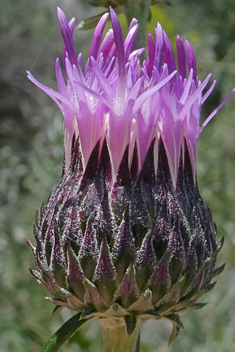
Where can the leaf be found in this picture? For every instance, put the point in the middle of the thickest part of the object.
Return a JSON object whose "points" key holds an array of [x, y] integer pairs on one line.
{"points": [[174, 334], [90, 22], [177, 325], [218, 270], [64, 333]]}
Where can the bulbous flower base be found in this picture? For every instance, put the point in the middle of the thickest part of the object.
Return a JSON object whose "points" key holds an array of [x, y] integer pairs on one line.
{"points": [[128, 250]]}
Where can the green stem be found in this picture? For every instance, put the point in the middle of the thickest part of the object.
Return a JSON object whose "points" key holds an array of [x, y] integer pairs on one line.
{"points": [[137, 347], [140, 10], [116, 338]]}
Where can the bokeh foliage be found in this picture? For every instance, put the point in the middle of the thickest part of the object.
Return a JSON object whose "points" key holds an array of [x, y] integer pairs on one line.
{"points": [[31, 142]]}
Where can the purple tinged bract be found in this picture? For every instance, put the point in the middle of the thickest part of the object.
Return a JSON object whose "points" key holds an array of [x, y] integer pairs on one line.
{"points": [[126, 231]]}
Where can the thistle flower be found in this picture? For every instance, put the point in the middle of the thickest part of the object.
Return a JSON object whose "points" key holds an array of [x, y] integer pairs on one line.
{"points": [[125, 236]]}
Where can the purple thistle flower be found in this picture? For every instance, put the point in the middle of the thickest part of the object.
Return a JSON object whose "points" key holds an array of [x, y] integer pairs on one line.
{"points": [[126, 231]]}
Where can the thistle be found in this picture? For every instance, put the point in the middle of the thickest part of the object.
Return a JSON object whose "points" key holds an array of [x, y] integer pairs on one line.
{"points": [[125, 236]]}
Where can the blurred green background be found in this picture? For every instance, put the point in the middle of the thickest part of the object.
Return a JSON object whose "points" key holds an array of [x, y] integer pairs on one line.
{"points": [[31, 143]]}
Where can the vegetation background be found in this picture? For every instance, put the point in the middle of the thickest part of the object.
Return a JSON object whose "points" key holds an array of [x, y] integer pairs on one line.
{"points": [[31, 142]]}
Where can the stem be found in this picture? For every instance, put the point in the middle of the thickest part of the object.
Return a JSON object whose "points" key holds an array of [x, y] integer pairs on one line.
{"points": [[116, 338], [140, 10], [137, 348]]}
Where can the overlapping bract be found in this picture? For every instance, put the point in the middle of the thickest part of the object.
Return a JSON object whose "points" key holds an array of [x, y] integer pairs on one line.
{"points": [[126, 231]]}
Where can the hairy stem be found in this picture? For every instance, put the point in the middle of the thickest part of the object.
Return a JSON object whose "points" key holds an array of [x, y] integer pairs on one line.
{"points": [[140, 9], [116, 338]]}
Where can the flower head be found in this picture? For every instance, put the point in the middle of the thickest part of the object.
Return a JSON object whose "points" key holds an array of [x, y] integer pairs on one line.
{"points": [[126, 231]]}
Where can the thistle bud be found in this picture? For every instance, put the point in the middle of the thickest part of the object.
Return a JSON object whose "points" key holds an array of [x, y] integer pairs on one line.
{"points": [[125, 234]]}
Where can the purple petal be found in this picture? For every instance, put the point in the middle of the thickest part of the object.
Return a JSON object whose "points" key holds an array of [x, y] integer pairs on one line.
{"points": [[103, 82], [168, 54], [130, 40], [51, 92], [67, 36], [98, 35], [216, 110], [206, 95], [191, 59], [181, 57], [159, 47], [117, 31], [141, 99]]}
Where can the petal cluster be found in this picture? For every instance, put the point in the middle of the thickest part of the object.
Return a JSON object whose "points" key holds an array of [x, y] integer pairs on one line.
{"points": [[126, 102]]}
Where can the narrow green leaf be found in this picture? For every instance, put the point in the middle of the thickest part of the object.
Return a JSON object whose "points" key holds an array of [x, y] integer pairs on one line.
{"points": [[90, 22], [64, 333]]}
